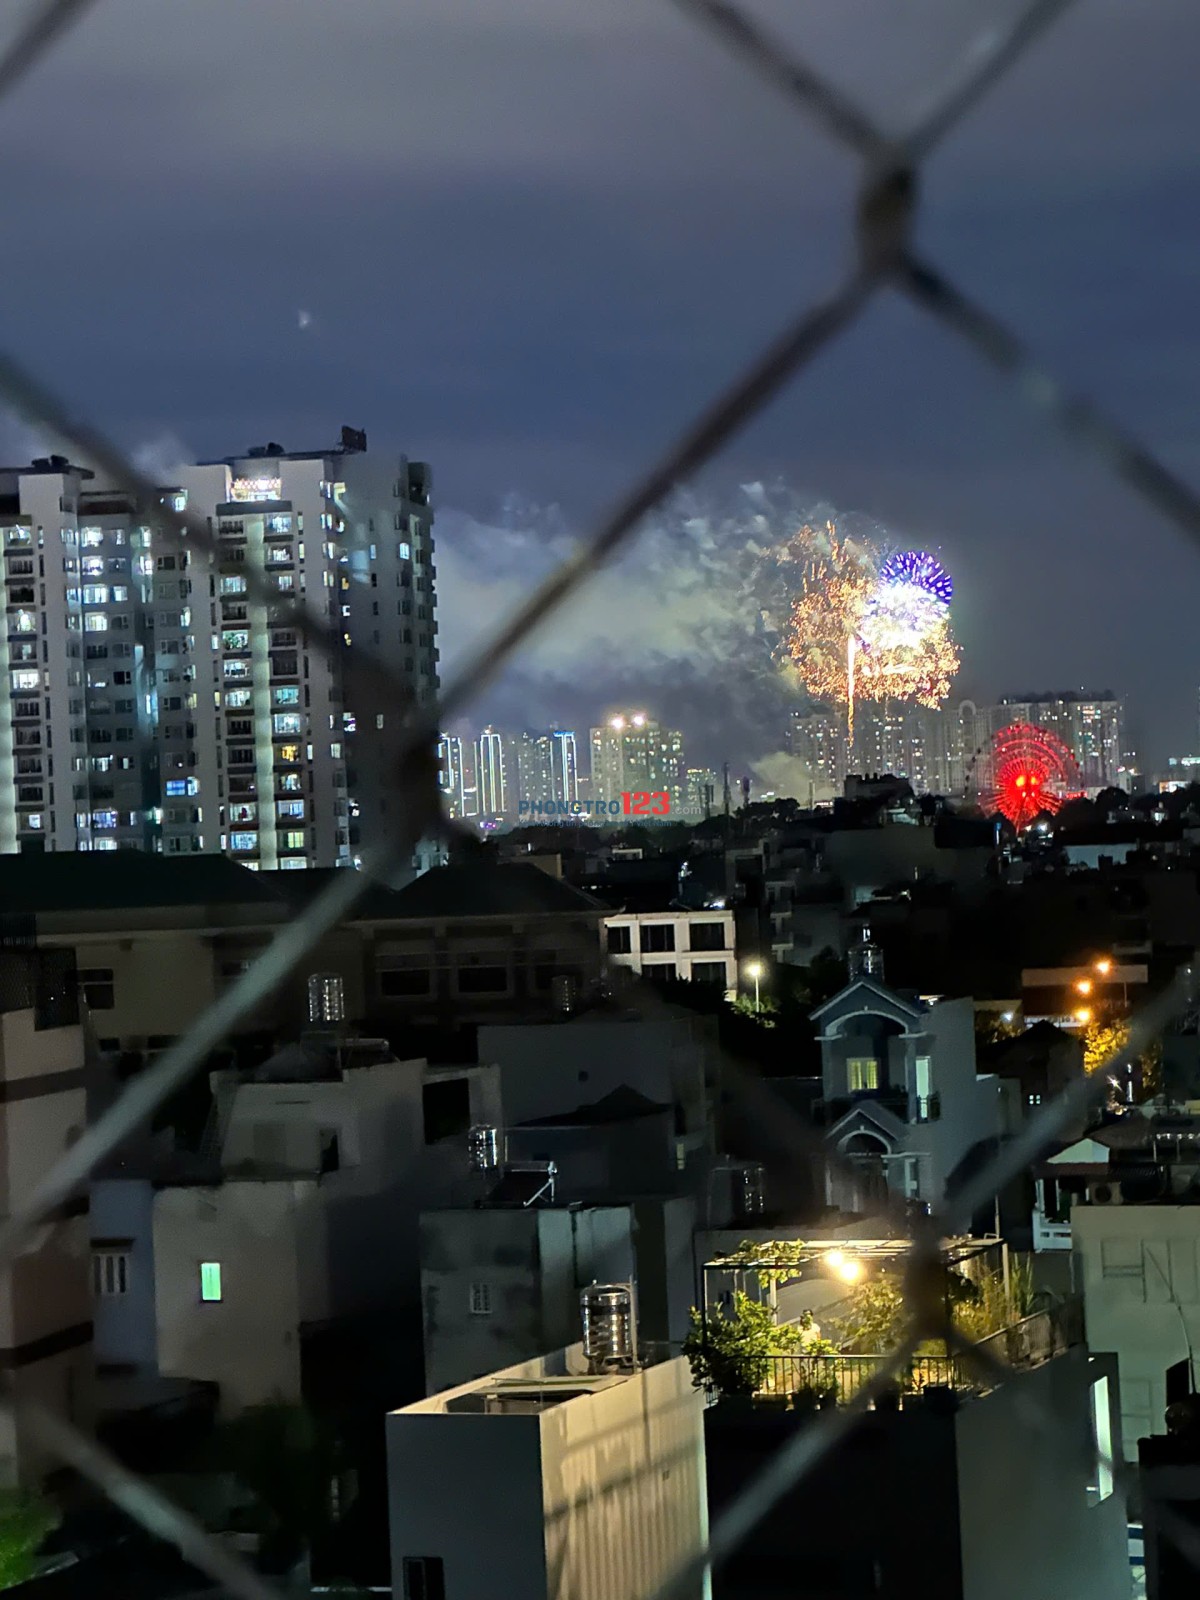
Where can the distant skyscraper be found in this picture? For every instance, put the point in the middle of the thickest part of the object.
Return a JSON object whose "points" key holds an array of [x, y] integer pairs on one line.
{"points": [[818, 739], [1090, 724], [564, 766], [493, 776], [633, 753], [452, 773]]}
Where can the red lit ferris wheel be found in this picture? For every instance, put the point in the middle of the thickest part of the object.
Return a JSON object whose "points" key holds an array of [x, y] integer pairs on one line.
{"points": [[1029, 771]]}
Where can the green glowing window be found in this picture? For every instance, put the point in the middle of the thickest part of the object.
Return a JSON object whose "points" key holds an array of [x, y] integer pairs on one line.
{"points": [[210, 1280]]}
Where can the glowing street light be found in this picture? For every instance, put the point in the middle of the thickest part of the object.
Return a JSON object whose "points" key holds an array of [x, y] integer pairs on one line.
{"points": [[847, 1268], [1083, 1015], [1104, 966], [754, 969], [1084, 986]]}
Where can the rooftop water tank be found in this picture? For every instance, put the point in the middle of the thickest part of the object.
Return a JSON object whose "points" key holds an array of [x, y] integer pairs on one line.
{"points": [[326, 999], [609, 1332], [483, 1147]]}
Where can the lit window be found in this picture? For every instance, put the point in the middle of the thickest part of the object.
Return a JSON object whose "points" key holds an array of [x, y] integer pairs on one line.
{"points": [[91, 537], [210, 1280], [294, 841], [236, 639], [104, 819], [862, 1073], [95, 594], [95, 622], [176, 787], [289, 695], [481, 1300], [289, 722], [26, 622], [289, 808], [243, 841], [404, 551], [110, 1272], [238, 697], [25, 678], [232, 586], [1102, 1439]]}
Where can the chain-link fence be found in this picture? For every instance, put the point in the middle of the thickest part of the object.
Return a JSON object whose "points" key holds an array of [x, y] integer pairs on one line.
{"points": [[885, 258]]}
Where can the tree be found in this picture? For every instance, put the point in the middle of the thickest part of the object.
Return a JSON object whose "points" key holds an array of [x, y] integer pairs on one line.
{"points": [[26, 1520], [733, 1354]]}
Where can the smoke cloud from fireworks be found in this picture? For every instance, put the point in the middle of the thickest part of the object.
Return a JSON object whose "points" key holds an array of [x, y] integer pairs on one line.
{"points": [[693, 622]]}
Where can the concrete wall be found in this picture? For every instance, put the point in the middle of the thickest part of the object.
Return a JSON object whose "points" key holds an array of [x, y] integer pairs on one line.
{"points": [[545, 1071], [1137, 1267], [624, 1493], [533, 1263], [1028, 1524], [125, 1330], [45, 1294], [249, 1341], [596, 1498]]}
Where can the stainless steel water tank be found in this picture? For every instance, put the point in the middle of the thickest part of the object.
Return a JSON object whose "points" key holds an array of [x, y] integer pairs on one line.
{"points": [[483, 1147], [326, 998], [609, 1334], [752, 1190]]}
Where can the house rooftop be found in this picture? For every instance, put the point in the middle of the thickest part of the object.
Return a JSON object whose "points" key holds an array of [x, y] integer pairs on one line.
{"points": [[125, 880], [504, 889], [560, 1378], [622, 1105]]}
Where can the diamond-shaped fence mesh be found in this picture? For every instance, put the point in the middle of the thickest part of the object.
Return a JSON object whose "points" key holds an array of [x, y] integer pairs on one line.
{"points": [[885, 259]]}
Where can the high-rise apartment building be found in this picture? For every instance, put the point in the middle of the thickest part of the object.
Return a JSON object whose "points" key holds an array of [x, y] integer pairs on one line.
{"points": [[155, 702], [452, 774], [564, 765], [1090, 724], [633, 753], [493, 774], [818, 740]]}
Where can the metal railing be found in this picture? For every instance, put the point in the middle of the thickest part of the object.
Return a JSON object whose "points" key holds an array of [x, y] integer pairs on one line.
{"points": [[885, 257]]}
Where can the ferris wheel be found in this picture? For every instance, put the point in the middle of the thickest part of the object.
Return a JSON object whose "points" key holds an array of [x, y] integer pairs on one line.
{"points": [[1024, 771]]}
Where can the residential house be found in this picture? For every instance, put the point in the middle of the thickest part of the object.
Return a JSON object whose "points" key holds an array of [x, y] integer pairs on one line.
{"points": [[45, 1310], [549, 1480], [903, 1107]]}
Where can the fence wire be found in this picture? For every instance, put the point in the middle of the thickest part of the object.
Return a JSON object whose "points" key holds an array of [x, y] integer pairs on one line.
{"points": [[886, 208]]}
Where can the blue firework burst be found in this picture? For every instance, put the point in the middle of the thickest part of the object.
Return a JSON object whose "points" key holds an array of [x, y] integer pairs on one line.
{"points": [[918, 567]]}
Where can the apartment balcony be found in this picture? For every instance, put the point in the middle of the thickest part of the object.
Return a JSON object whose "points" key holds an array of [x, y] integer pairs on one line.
{"points": [[1028, 1342]]}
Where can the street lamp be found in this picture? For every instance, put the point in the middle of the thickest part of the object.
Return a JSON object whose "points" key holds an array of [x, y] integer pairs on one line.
{"points": [[754, 969], [1083, 1015], [848, 1268], [1084, 986]]}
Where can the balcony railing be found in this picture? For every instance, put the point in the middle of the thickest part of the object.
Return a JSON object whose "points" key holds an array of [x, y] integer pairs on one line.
{"points": [[1028, 1343]]}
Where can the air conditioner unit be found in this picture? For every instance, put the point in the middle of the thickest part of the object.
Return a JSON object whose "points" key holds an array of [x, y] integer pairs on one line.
{"points": [[1107, 1193]]}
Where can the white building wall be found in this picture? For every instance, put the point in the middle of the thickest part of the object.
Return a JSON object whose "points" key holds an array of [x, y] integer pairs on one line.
{"points": [[261, 1235], [45, 1293], [1138, 1268], [600, 1497], [682, 957]]}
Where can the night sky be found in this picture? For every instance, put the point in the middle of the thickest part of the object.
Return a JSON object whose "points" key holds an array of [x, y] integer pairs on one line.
{"points": [[524, 239]]}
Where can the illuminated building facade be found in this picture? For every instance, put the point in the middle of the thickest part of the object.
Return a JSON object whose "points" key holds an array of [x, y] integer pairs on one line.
{"points": [[633, 753], [451, 774], [189, 716], [493, 774], [1090, 724]]}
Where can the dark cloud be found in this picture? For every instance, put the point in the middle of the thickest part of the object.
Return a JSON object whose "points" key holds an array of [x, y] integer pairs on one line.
{"points": [[534, 236]]}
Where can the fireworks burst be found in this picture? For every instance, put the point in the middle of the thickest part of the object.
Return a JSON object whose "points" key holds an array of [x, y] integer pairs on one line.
{"points": [[839, 579], [923, 571], [870, 629]]}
